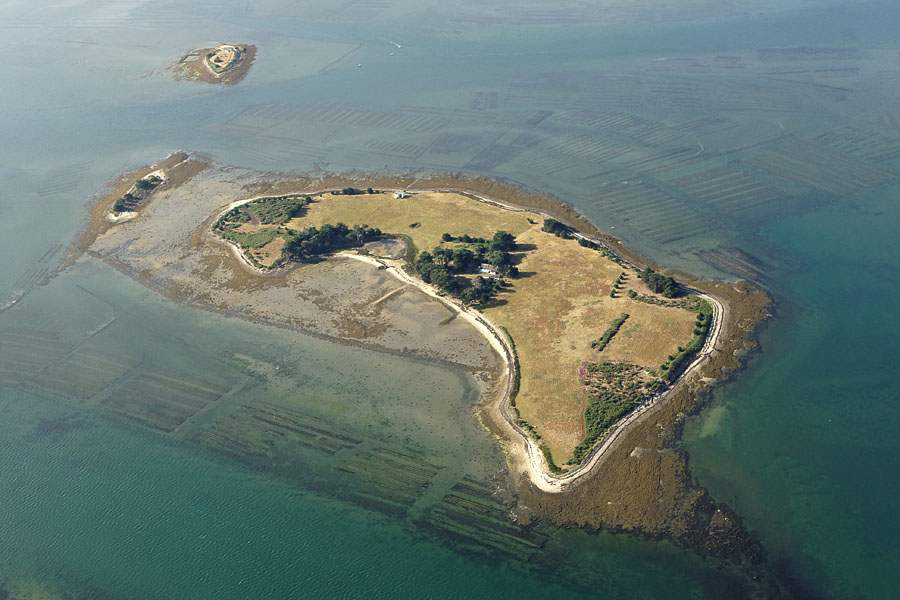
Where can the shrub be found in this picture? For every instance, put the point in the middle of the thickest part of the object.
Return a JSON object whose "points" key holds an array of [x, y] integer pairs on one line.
{"points": [[556, 228]]}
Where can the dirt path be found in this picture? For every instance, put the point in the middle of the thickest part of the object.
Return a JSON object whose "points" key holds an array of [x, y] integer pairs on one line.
{"points": [[527, 456], [532, 457]]}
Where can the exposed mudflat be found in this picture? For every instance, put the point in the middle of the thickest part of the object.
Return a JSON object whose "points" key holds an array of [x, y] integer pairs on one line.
{"points": [[167, 247]]}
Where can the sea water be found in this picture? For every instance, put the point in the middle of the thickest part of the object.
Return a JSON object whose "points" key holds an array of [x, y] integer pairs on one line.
{"points": [[803, 445]]}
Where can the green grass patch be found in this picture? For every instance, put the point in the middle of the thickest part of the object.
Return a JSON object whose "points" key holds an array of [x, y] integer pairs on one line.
{"points": [[254, 240], [550, 462], [517, 379], [277, 210]]}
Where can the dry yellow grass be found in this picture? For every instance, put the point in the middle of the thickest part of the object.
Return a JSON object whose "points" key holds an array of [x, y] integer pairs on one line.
{"points": [[271, 252], [436, 212], [558, 306]]}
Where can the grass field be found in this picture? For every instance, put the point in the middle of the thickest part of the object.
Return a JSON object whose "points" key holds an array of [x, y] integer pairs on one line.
{"points": [[436, 213], [558, 305], [556, 311]]}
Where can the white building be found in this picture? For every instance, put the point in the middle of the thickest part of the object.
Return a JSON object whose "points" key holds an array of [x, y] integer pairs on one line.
{"points": [[488, 269]]}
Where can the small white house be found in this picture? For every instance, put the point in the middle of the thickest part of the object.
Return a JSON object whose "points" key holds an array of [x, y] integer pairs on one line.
{"points": [[400, 195], [488, 269]]}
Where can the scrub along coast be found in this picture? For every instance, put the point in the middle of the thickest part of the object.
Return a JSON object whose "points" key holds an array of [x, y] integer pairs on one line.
{"points": [[587, 357]]}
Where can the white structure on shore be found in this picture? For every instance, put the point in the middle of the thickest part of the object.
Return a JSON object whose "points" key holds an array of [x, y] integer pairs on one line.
{"points": [[400, 195]]}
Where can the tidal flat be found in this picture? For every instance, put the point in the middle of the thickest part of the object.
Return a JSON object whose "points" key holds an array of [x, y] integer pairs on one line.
{"points": [[168, 244]]}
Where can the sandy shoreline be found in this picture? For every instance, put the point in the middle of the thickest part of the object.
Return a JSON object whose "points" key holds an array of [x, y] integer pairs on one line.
{"points": [[526, 456], [522, 456]]}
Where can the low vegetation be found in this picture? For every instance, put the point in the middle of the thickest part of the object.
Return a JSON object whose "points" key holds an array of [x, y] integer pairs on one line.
{"points": [[141, 189], [253, 239], [277, 210], [672, 367], [600, 344], [614, 389]]}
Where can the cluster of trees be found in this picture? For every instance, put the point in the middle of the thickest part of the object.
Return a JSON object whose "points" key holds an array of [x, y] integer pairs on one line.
{"points": [[556, 228], [352, 191], [465, 239], [601, 343], [481, 290], [442, 264], [315, 241], [660, 283], [141, 189]]}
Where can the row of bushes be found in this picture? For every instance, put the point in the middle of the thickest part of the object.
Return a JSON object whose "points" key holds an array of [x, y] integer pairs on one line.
{"points": [[352, 191], [672, 366], [617, 285], [601, 343]]}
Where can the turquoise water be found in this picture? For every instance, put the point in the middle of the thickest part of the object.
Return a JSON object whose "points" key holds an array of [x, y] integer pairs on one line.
{"points": [[626, 111]]}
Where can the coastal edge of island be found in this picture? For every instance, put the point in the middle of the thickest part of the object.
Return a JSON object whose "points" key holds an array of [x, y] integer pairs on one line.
{"points": [[637, 479]]}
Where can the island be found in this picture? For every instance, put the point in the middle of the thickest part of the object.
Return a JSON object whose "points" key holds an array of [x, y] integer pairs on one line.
{"points": [[588, 357], [588, 338], [225, 64]]}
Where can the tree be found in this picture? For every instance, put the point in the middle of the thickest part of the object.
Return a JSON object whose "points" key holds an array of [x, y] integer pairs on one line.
{"points": [[443, 279], [498, 258], [503, 240], [143, 185], [462, 259], [556, 228], [660, 284], [442, 256], [446, 238]]}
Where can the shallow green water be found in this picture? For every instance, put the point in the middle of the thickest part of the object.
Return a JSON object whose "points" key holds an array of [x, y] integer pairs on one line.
{"points": [[608, 109]]}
